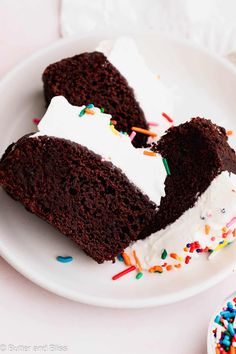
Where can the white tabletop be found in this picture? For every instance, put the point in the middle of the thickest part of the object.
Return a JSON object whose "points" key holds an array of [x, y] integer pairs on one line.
{"points": [[32, 316]]}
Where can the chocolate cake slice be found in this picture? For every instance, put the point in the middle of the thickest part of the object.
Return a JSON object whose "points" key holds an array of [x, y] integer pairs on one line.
{"points": [[115, 77], [86, 179], [196, 152], [86, 199], [90, 78]]}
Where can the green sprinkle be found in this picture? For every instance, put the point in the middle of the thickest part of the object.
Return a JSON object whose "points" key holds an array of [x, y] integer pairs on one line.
{"points": [[102, 109], [164, 254], [139, 275], [82, 112], [166, 166]]}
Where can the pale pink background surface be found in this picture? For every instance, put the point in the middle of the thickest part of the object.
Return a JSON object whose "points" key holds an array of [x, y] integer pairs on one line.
{"points": [[30, 315]]}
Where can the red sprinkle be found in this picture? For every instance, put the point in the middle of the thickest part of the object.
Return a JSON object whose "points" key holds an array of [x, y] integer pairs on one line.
{"points": [[126, 271], [170, 120], [187, 259], [36, 120]]}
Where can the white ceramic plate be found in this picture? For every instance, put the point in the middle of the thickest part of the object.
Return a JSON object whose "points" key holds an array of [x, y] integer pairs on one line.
{"points": [[207, 86]]}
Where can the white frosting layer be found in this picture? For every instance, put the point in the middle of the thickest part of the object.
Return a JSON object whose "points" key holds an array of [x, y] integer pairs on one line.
{"points": [[217, 206], [62, 120], [153, 97]]}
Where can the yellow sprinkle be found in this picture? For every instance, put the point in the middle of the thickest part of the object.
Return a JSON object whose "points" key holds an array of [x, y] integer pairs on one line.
{"points": [[114, 130], [180, 259], [221, 245], [149, 153], [207, 229]]}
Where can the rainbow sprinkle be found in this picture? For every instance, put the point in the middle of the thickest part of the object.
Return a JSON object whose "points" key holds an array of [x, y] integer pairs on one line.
{"points": [[144, 131], [166, 166], [126, 259], [132, 136], [229, 132], [66, 259], [149, 153], [124, 272], [153, 124], [170, 120], [36, 121], [224, 332], [82, 112]]}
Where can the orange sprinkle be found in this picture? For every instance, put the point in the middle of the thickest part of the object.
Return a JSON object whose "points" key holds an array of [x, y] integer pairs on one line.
{"points": [[89, 111], [149, 153], [138, 264], [126, 259], [185, 249], [178, 265], [173, 255], [224, 230], [144, 131], [156, 269], [207, 229], [234, 233], [169, 267], [229, 132]]}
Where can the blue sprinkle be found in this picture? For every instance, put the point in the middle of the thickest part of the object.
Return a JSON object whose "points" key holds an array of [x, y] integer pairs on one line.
{"points": [[217, 319], [230, 305], [64, 259], [120, 258], [226, 343], [231, 329], [188, 245], [225, 314], [90, 105]]}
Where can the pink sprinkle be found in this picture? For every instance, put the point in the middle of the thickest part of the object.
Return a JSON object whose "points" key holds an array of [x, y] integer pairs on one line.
{"points": [[153, 124], [213, 238], [36, 121], [231, 222], [132, 136]]}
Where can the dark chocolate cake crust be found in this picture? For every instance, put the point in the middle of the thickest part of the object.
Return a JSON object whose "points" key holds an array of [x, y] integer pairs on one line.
{"points": [[88, 200], [197, 152], [91, 78]]}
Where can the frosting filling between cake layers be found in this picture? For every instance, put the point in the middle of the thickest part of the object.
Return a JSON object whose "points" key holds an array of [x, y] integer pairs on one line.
{"points": [[152, 95], [92, 129], [211, 223]]}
